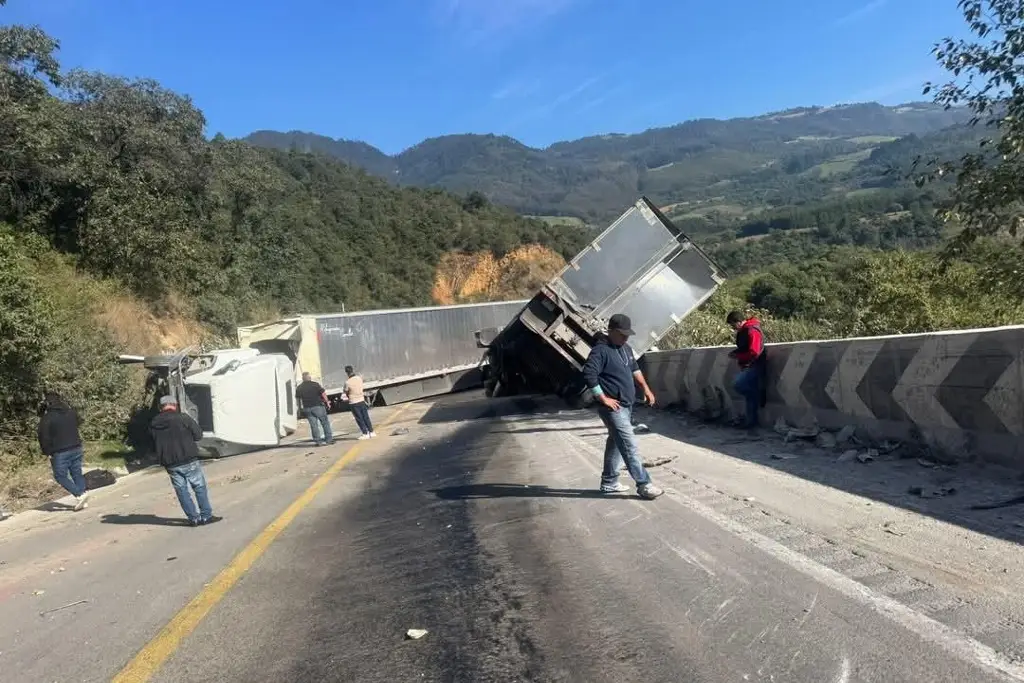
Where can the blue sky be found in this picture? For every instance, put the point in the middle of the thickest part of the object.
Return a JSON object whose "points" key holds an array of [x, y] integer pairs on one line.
{"points": [[392, 72]]}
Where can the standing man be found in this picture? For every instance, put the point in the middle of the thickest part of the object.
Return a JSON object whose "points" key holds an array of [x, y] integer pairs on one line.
{"points": [[60, 441], [357, 402], [174, 438], [753, 362], [611, 373], [313, 400]]}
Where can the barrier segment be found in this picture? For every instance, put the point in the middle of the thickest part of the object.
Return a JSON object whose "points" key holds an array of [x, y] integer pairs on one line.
{"points": [[961, 393]]}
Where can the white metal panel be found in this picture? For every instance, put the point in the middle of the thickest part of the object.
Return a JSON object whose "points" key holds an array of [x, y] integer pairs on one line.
{"points": [[244, 402]]}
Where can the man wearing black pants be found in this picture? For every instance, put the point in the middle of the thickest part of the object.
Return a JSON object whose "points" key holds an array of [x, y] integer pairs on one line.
{"points": [[357, 402]]}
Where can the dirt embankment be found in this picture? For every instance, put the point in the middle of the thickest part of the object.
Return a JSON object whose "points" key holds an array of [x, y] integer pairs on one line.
{"points": [[471, 277]]}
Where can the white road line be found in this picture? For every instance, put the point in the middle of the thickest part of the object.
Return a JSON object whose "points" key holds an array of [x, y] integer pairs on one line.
{"points": [[949, 639]]}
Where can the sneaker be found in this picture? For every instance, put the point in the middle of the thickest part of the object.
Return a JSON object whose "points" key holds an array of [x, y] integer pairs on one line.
{"points": [[212, 519], [617, 487], [649, 491], [373, 435], [364, 437], [195, 522], [82, 501]]}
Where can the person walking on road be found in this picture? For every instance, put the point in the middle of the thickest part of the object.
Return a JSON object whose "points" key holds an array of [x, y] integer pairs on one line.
{"points": [[612, 374], [60, 441], [753, 361], [313, 400], [175, 436], [357, 402]]}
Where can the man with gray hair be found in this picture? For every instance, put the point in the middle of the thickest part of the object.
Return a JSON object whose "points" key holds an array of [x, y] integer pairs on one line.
{"points": [[175, 437], [313, 400]]}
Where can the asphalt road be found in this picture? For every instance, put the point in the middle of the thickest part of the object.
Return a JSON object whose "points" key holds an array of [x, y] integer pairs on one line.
{"points": [[482, 526]]}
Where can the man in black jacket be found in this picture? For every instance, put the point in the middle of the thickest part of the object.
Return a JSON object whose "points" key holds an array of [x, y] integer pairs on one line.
{"points": [[60, 441], [174, 438], [612, 373]]}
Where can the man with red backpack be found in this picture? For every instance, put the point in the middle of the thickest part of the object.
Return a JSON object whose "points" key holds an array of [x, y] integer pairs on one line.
{"points": [[753, 360]]}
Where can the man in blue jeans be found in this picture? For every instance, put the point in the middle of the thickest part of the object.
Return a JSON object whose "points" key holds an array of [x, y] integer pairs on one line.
{"points": [[313, 400], [59, 439], [752, 359], [175, 436], [612, 373]]}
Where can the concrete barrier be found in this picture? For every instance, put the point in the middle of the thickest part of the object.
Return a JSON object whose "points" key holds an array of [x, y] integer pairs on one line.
{"points": [[960, 393]]}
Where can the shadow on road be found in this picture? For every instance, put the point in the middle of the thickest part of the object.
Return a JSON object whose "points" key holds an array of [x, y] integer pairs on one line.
{"points": [[476, 491], [149, 520], [54, 506]]}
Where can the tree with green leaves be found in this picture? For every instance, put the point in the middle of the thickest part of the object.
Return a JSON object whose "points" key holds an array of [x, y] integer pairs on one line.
{"points": [[988, 80]]}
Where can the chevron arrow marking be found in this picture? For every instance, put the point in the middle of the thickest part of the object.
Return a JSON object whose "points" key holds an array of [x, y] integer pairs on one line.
{"points": [[852, 366], [1005, 398], [792, 375], [915, 392]]}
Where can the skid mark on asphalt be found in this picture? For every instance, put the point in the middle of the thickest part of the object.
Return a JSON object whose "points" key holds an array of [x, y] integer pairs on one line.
{"points": [[953, 641]]}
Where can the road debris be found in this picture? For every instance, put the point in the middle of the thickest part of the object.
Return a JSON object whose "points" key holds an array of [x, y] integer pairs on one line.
{"points": [[848, 456], [790, 433], [57, 609], [924, 462], [784, 456], [400, 431], [641, 429], [846, 434], [415, 633], [38, 592], [867, 456], [98, 478], [890, 528], [931, 491], [825, 440]]}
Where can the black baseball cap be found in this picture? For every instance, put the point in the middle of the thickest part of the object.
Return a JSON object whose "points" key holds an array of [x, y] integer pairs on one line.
{"points": [[622, 323]]}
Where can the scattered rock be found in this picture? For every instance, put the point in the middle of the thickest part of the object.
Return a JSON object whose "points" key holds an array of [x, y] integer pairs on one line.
{"points": [[4, 514], [98, 478], [848, 456], [415, 633], [400, 431], [931, 491], [38, 592], [887, 447], [867, 456], [845, 434], [784, 456], [924, 462], [825, 440]]}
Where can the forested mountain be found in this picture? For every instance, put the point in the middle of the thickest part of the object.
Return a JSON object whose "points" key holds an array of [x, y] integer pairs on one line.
{"points": [[594, 177]]}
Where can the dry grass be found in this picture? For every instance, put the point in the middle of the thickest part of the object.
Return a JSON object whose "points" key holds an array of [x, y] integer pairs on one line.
{"points": [[135, 328]]}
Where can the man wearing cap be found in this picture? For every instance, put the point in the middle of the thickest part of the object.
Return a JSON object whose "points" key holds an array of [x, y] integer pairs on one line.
{"points": [[611, 373], [175, 435]]}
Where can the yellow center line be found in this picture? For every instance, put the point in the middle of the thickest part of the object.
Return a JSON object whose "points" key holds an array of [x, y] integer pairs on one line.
{"points": [[150, 658]]}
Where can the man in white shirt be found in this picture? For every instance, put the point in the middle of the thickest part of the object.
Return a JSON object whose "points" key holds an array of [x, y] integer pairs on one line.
{"points": [[357, 402]]}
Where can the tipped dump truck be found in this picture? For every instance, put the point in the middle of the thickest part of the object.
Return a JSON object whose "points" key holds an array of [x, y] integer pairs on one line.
{"points": [[642, 265]]}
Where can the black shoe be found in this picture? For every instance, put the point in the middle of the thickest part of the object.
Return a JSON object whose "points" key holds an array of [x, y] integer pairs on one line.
{"points": [[195, 522], [211, 519]]}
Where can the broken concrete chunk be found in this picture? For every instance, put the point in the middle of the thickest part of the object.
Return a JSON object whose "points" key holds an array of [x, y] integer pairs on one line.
{"points": [[848, 456], [825, 440], [867, 456], [415, 633], [845, 434]]}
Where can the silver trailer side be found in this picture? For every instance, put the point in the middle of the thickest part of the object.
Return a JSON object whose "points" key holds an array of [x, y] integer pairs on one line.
{"points": [[402, 354]]}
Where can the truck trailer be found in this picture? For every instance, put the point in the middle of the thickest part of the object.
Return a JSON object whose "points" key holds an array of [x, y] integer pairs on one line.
{"points": [[641, 265], [244, 398], [402, 354]]}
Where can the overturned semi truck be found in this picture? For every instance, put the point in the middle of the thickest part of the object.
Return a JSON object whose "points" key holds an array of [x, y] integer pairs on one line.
{"points": [[642, 265], [244, 398]]}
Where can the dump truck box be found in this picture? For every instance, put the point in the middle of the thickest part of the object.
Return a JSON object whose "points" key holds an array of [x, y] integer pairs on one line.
{"points": [[642, 265], [402, 354]]}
